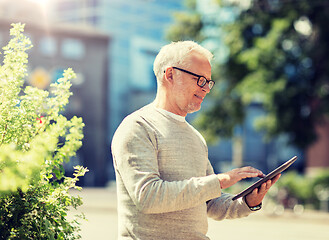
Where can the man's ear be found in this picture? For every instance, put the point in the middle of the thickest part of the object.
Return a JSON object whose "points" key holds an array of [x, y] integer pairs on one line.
{"points": [[168, 75]]}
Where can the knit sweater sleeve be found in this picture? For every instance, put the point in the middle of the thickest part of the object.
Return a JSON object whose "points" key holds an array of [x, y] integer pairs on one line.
{"points": [[223, 207], [134, 149]]}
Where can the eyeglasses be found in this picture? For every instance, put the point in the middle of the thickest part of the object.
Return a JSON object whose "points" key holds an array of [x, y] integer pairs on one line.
{"points": [[202, 81]]}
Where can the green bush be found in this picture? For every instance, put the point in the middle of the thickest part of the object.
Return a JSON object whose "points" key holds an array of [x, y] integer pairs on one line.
{"points": [[320, 187], [297, 185], [35, 140], [302, 187]]}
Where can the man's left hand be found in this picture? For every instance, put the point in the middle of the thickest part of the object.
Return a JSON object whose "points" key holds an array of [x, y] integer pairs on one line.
{"points": [[256, 197]]}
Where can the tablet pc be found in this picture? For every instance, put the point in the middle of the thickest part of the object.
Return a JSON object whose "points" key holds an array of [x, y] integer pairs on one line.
{"points": [[269, 176]]}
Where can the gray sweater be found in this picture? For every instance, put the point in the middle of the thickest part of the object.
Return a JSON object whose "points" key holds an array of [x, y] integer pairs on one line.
{"points": [[166, 185]]}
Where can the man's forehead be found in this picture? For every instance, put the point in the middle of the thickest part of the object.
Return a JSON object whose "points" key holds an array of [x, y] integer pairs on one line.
{"points": [[200, 63], [196, 57]]}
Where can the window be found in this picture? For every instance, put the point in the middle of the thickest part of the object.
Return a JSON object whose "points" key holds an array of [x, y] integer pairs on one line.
{"points": [[142, 55], [73, 49], [48, 46]]}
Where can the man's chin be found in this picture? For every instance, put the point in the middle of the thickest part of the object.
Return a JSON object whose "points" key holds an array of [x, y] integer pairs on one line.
{"points": [[194, 108]]}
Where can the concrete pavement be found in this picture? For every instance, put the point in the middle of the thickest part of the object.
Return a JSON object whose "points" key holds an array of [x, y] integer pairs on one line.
{"points": [[100, 210]]}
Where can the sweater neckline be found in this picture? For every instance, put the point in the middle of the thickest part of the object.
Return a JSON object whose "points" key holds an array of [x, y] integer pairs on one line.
{"points": [[170, 114]]}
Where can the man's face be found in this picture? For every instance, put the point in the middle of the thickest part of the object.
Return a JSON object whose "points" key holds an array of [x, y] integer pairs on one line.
{"points": [[186, 96]]}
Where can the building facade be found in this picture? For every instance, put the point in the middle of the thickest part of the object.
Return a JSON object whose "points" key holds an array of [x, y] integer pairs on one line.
{"points": [[137, 29], [85, 51]]}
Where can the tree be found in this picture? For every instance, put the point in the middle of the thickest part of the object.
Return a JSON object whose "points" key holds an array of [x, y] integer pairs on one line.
{"points": [[278, 57], [35, 140]]}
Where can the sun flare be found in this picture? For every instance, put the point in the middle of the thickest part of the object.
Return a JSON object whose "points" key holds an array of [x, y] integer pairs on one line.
{"points": [[41, 2]]}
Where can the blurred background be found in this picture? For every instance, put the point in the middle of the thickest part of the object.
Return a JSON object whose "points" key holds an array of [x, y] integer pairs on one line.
{"points": [[270, 101]]}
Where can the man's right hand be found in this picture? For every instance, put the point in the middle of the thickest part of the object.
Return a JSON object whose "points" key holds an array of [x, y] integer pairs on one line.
{"points": [[232, 177]]}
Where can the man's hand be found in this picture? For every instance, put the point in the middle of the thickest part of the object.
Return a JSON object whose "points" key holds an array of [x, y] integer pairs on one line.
{"points": [[256, 197], [232, 177]]}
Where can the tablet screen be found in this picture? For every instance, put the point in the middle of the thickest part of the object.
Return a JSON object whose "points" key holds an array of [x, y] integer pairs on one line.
{"points": [[271, 175]]}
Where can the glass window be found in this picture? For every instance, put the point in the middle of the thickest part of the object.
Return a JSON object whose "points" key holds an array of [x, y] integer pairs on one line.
{"points": [[142, 74], [48, 46], [73, 49]]}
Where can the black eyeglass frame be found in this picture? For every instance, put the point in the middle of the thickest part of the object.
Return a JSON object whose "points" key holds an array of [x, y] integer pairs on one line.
{"points": [[198, 76]]}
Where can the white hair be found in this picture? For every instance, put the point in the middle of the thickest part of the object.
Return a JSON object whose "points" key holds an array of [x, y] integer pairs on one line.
{"points": [[175, 54]]}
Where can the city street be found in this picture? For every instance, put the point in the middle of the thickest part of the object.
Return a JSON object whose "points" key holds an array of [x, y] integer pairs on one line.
{"points": [[100, 210]]}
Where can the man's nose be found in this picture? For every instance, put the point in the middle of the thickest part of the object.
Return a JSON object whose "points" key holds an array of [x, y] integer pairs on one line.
{"points": [[206, 88]]}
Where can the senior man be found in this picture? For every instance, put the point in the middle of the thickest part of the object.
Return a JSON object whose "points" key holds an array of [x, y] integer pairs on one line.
{"points": [[166, 185]]}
